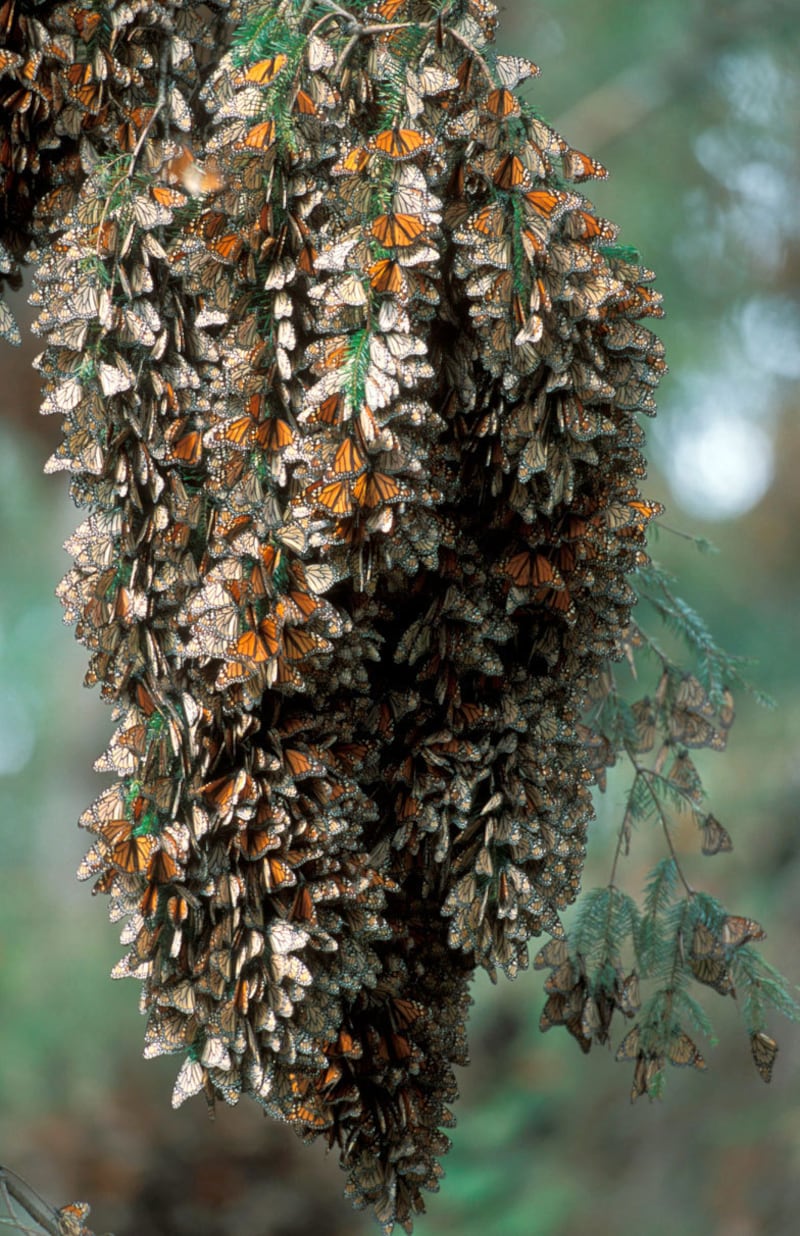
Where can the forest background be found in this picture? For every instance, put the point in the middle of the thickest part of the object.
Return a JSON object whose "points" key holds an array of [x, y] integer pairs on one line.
{"points": [[693, 106]]}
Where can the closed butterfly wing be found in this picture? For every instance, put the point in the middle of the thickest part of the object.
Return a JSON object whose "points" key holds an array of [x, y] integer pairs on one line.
{"points": [[515, 69], [683, 1053], [713, 972], [764, 1050], [578, 166], [191, 1079], [716, 839], [554, 953], [502, 103], [737, 931]]}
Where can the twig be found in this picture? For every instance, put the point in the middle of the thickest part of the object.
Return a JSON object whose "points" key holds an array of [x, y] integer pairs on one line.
{"points": [[643, 772]]}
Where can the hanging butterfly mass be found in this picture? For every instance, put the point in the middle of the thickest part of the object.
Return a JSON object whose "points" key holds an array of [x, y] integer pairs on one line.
{"points": [[361, 451]]}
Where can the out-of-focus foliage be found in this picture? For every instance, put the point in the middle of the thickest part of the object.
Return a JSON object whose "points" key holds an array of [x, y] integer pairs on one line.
{"points": [[535, 1116]]}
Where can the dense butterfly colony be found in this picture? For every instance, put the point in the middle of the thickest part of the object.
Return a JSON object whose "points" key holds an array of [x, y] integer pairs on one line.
{"points": [[350, 374]]}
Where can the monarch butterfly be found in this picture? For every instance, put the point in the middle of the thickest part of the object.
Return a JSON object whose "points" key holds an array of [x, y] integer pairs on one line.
{"points": [[306, 260], [628, 997], [257, 644], [132, 855], [189, 447], [644, 716], [110, 806], [195, 178], [716, 839], [9, 61], [328, 354], [643, 302], [389, 8], [502, 103], [261, 136], [320, 54], [580, 422], [227, 248], [285, 937], [224, 793], [527, 569], [581, 224], [168, 1030], [348, 289], [264, 72], [112, 380], [401, 143], [646, 510], [737, 931], [300, 764], [167, 196], [693, 730], [645, 1074], [727, 712], [163, 868], [227, 1083], [683, 1053], [304, 104], [375, 488], [78, 74], [274, 435], [89, 96], [497, 253], [511, 173], [386, 275], [215, 1054], [298, 644], [335, 496], [352, 162], [345, 1045], [590, 299], [490, 221], [629, 1048], [348, 460], [554, 953], [562, 978], [623, 514], [277, 873], [515, 69], [191, 1079], [397, 230], [578, 166], [297, 1105], [764, 1050], [707, 962], [85, 22], [256, 840]]}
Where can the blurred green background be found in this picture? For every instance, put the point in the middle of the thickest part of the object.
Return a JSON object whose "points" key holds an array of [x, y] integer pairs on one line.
{"points": [[693, 105]]}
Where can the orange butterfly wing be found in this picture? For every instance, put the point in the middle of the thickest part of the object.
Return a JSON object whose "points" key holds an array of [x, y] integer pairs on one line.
{"points": [[263, 72], [397, 230]]}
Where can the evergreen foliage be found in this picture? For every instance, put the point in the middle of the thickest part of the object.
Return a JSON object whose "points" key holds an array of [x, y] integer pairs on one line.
{"points": [[350, 374]]}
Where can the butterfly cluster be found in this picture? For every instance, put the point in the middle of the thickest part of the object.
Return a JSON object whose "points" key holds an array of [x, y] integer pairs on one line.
{"points": [[350, 374]]}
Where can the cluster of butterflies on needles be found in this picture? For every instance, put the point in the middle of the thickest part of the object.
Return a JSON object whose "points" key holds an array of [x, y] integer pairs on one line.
{"points": [[350, 388]]}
